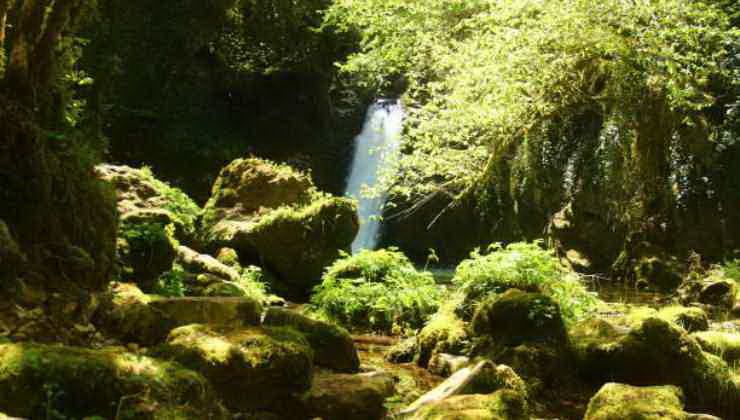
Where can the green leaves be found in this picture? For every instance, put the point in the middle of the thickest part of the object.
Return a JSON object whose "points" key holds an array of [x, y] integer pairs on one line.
{"points": [[377, 290]]}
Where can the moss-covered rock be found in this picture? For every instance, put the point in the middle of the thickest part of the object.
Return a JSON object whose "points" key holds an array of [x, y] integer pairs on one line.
{"points": [[716, 288], [516, 317], [500, 405], [723, 344], [658, 272], [618, 402], [272, 214], [248, 187], [251, 368], [125, 314], [402, 352], [234, 311], [140, 193], [690, 318], [343, 396], [445, 333], [332, 345], [36, 380], [655, 352]]}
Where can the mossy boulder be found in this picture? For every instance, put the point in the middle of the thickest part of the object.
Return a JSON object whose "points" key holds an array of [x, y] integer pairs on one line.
{"points": [[723, 344], [445, 333], [690, 318], [332, 345], [500, 405], [714, 289], [619, 402], [125, 313], [233, 311], [344, 396], [655, 352], [36, 380], [516, 317], [141, 195], [402, 352], [251, 368], [272, 215]]}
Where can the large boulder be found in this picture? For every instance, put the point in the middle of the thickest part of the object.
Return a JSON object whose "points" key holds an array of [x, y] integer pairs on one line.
{"points": [[345, 396], [516, 317], [714, 289], [655, 352], [251, 368], [618, 402], [126, 314], [141, 196], [233, 311], [272, 215], [68, 382], [332, 345], [153, 216]]}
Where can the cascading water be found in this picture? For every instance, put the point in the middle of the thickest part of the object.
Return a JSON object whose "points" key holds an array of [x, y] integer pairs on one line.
{"points": [[375, 149]]}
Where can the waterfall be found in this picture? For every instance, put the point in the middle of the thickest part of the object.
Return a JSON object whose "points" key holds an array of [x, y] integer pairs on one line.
{"points": [[375, 148]]}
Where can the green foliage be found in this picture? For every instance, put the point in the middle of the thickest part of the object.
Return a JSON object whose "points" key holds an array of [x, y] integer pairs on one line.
{"points": [[731, 269], [545, 99], [172, 283], [142, 237], [377, 290], [525, 266], [183, 208]]}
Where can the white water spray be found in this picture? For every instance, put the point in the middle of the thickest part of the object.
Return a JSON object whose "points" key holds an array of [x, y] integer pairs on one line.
{"points": [[375, 148]]}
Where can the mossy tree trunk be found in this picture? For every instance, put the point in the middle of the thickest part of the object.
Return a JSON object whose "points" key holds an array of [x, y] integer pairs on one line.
{"points": [[62, 217]]}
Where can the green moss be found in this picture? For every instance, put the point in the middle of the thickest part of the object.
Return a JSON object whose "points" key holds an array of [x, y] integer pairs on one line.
{"points": [[445, 333], [77, 382], [146, 251], [183, 208], [267, 363], [377, 290], [618, 402], [723, 344]]}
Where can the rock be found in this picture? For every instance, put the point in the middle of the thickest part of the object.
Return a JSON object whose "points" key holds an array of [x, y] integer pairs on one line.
{"points": [[343, 396], [210, 310], [715, 289], [500, 405], [125, 313], [246, 187], [11, 256], [655, 352], [444, 364], [515, 317], [618, 402], [403, 351], [445, 333], [272, 214], [723, 344], [460, 382], [720, 292], [197, 263], [332, 345], [140, 194], [691, 319], [74, 383], [251, 368], [659, 272]]}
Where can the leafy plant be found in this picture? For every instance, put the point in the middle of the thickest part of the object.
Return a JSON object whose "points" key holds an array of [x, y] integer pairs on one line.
{"points": [[525, 266], [172, 283], [377, 290]]}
